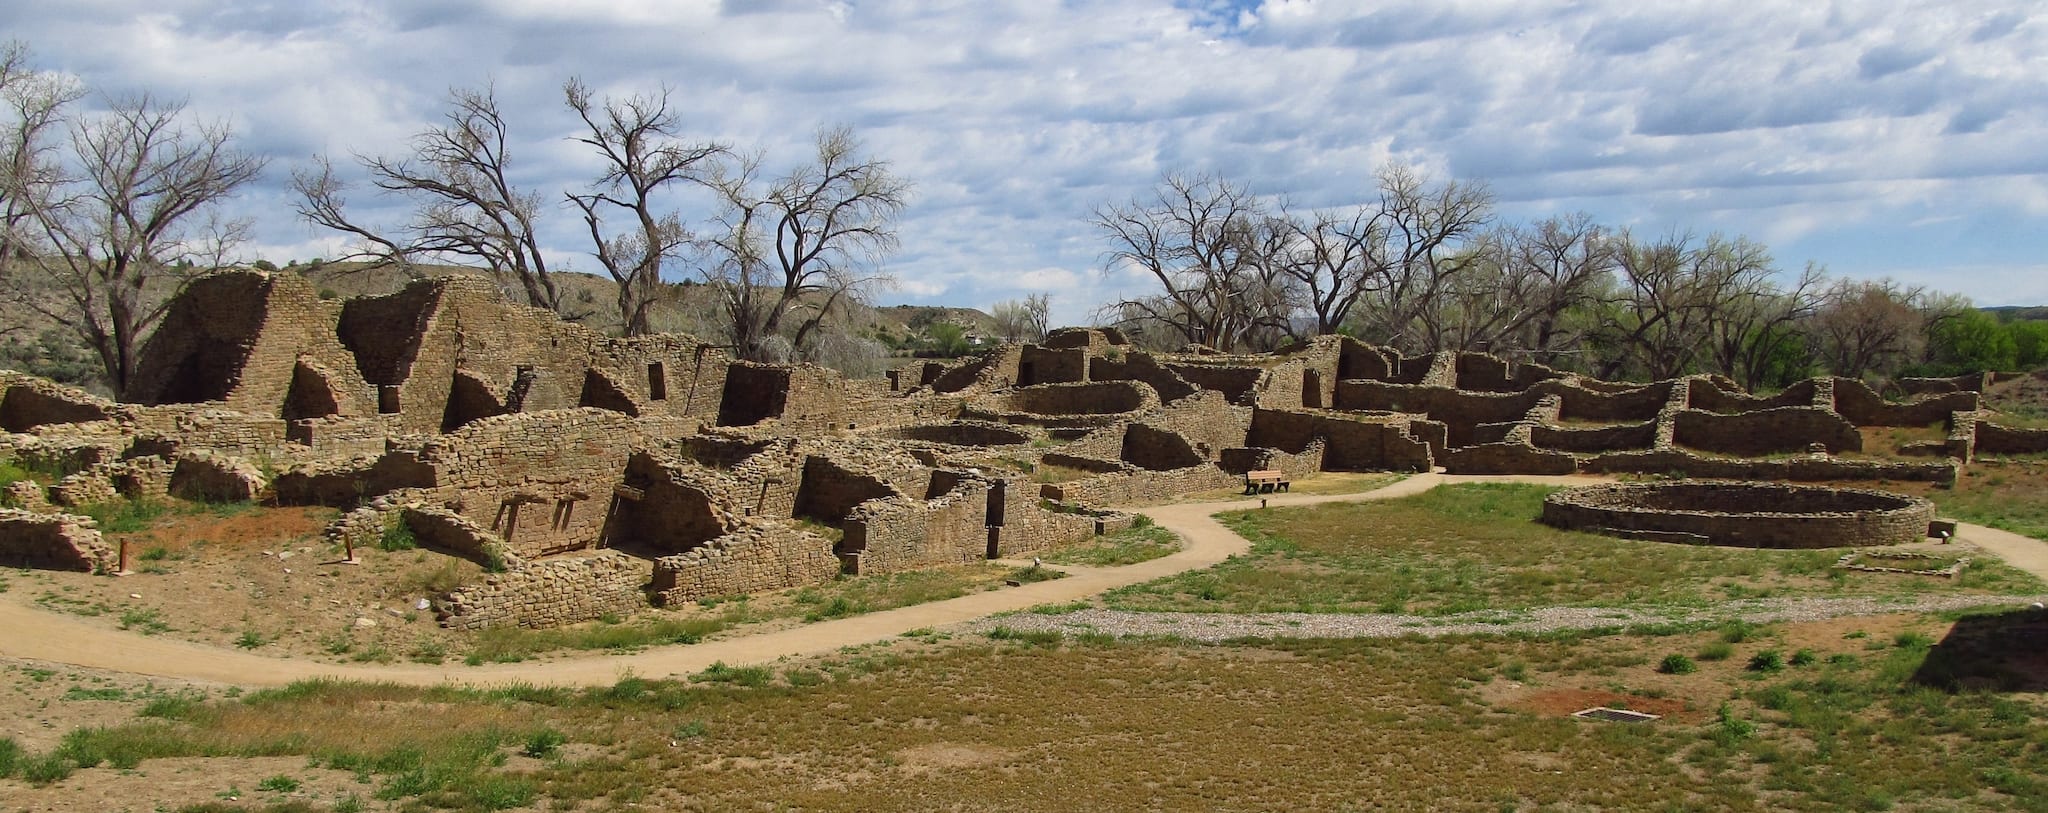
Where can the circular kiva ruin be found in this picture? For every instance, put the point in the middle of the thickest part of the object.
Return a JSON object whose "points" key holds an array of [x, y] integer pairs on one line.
{"points": [[1753, 515], [594, 475]]}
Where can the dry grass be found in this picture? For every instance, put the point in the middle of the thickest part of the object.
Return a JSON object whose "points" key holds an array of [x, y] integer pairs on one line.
{"points": [[1478, 547], [1469, 723]]}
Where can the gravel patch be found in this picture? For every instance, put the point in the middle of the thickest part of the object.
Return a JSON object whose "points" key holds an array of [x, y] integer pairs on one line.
{"points": [[1215, 627]]}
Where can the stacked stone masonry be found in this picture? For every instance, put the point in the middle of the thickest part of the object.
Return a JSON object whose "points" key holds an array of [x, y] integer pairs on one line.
{"points": [[598, 474]]}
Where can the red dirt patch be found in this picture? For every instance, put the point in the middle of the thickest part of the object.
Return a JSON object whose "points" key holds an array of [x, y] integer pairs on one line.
{"points": [[1564, 702]]}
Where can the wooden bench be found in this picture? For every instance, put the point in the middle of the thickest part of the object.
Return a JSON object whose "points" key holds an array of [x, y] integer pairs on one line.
{"points": [[1265, 481]]}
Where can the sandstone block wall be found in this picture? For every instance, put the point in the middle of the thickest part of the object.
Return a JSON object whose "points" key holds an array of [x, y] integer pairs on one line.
{"points": [[1351, 443], [28, 402], [1728, 513], [1992, 438], [899, 534], [53, 542], [760, 556], [551, 593], [1780, 429]]}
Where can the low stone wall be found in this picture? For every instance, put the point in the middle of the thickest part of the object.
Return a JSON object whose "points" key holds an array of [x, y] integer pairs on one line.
{"points": [[761, 556], [336, 436], [209, 477], [53, 542], [960, 433], [1968, 382], [1863, 407], [1768, 431], [1296, 466], [1351, 442], [28, 402], [900, 534], [1594, 439], [1135, 487], [1725, 513], [1807, 468], [1636, 404], [1706, 393], [1995, 439], [1508, 458], [551, 593]]}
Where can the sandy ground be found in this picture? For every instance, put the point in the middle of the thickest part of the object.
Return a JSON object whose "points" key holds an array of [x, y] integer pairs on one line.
{"points": [[37, 634]]}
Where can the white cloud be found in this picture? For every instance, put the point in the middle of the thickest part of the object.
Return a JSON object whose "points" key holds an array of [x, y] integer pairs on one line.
{"points": [[1822, 126]]}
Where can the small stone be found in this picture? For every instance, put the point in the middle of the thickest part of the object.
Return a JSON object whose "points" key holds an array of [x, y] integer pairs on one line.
{"points": [[365, 623], [135, 595], [422, 604]]}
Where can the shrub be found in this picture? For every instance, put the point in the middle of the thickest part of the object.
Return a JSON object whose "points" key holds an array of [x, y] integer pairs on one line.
{"points": [[11, 757], [46, 769], [1804, 657], [543, 743], [1676, 664], [1716, 651], [278, 784], [397, 535], [752, 677], [1766, 661]]}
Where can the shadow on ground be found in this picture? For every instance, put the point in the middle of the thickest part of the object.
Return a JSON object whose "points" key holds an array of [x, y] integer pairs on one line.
{"points": [[2000, 652]]}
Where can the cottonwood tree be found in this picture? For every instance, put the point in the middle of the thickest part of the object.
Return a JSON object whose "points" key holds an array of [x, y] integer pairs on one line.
{"points": [[116, 228], [1516, 290], [1681, 299], [1209, 245], [644, 155], [1867, 327], [1416, 252], [466, 207], [786, 254], [1023, 320], [30, 164]]}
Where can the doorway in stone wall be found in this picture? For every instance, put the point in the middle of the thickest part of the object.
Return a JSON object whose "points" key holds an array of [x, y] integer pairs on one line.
{"points": [[1312, 389]]}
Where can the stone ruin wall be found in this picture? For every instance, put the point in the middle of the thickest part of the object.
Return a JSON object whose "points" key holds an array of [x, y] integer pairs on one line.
{"points": [[1725, 514], [53, 542]]}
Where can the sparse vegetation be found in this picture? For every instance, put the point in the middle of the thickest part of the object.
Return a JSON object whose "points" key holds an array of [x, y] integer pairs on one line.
{"points": [[1138, 544], [1476, 547]]}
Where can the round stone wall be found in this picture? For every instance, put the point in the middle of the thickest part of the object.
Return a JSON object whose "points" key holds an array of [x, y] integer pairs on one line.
{"points": [[1754, 515]]}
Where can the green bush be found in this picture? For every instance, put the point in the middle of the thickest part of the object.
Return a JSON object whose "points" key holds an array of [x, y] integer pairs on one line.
{"points": [[397, 536], [1716, 651], [1676, 664], [1766, 661], [543, 743]]}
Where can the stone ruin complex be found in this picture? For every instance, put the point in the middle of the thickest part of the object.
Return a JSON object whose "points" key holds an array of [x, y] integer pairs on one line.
{"points": [[595, 475]]}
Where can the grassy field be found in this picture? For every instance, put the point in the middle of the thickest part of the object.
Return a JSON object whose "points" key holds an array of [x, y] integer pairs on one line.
{"points": [[1142, 542], [1478, 547], [1796, 717]]}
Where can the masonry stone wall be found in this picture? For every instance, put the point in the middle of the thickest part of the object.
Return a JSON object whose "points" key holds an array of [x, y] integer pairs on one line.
{"points": [[898, 534], [208, 477], [28, 402], [1135, 487], [1968, 382], [551, 593], [1767, 431], [1992, 438], [1046, 365], [1633, 404], [1296, 466], [1508, 458], [1711, 395], [1863, 407], [760, 556], [1130, 365], [1727, 513], [1351, 442], [1023, 524], [1236, 382], [49, 541], [1804, 468], [1594, 439], [1459, 410], [960, 433]]}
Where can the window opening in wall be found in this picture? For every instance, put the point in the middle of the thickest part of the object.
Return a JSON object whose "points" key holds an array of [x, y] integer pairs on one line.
{"points": [[507, 520], [565, 510], [387, 399], [657, 383]]}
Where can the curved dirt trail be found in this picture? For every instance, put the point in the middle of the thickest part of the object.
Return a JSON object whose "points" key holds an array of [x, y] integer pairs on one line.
{"points": [[32, 633]]}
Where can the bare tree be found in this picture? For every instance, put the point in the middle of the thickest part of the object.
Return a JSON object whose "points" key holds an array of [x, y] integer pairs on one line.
{"points": [[1416, 251], [467, 206], [1210, 246], [643, 155], [1868, 327], [30, 168], [1023, 320], [789, 253], [114, 242], [1682, 304]]}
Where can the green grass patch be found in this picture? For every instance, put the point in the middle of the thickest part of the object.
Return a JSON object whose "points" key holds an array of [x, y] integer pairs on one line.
{"points": [[1127, 547], [1277, 725], [1471, 547]]}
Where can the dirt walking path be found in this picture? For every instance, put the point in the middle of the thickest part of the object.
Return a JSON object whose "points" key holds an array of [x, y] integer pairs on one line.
{"points": [[31, 633]]}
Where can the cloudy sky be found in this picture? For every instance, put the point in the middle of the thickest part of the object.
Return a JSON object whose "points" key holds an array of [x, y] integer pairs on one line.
{"points": [[1875, 137]]}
